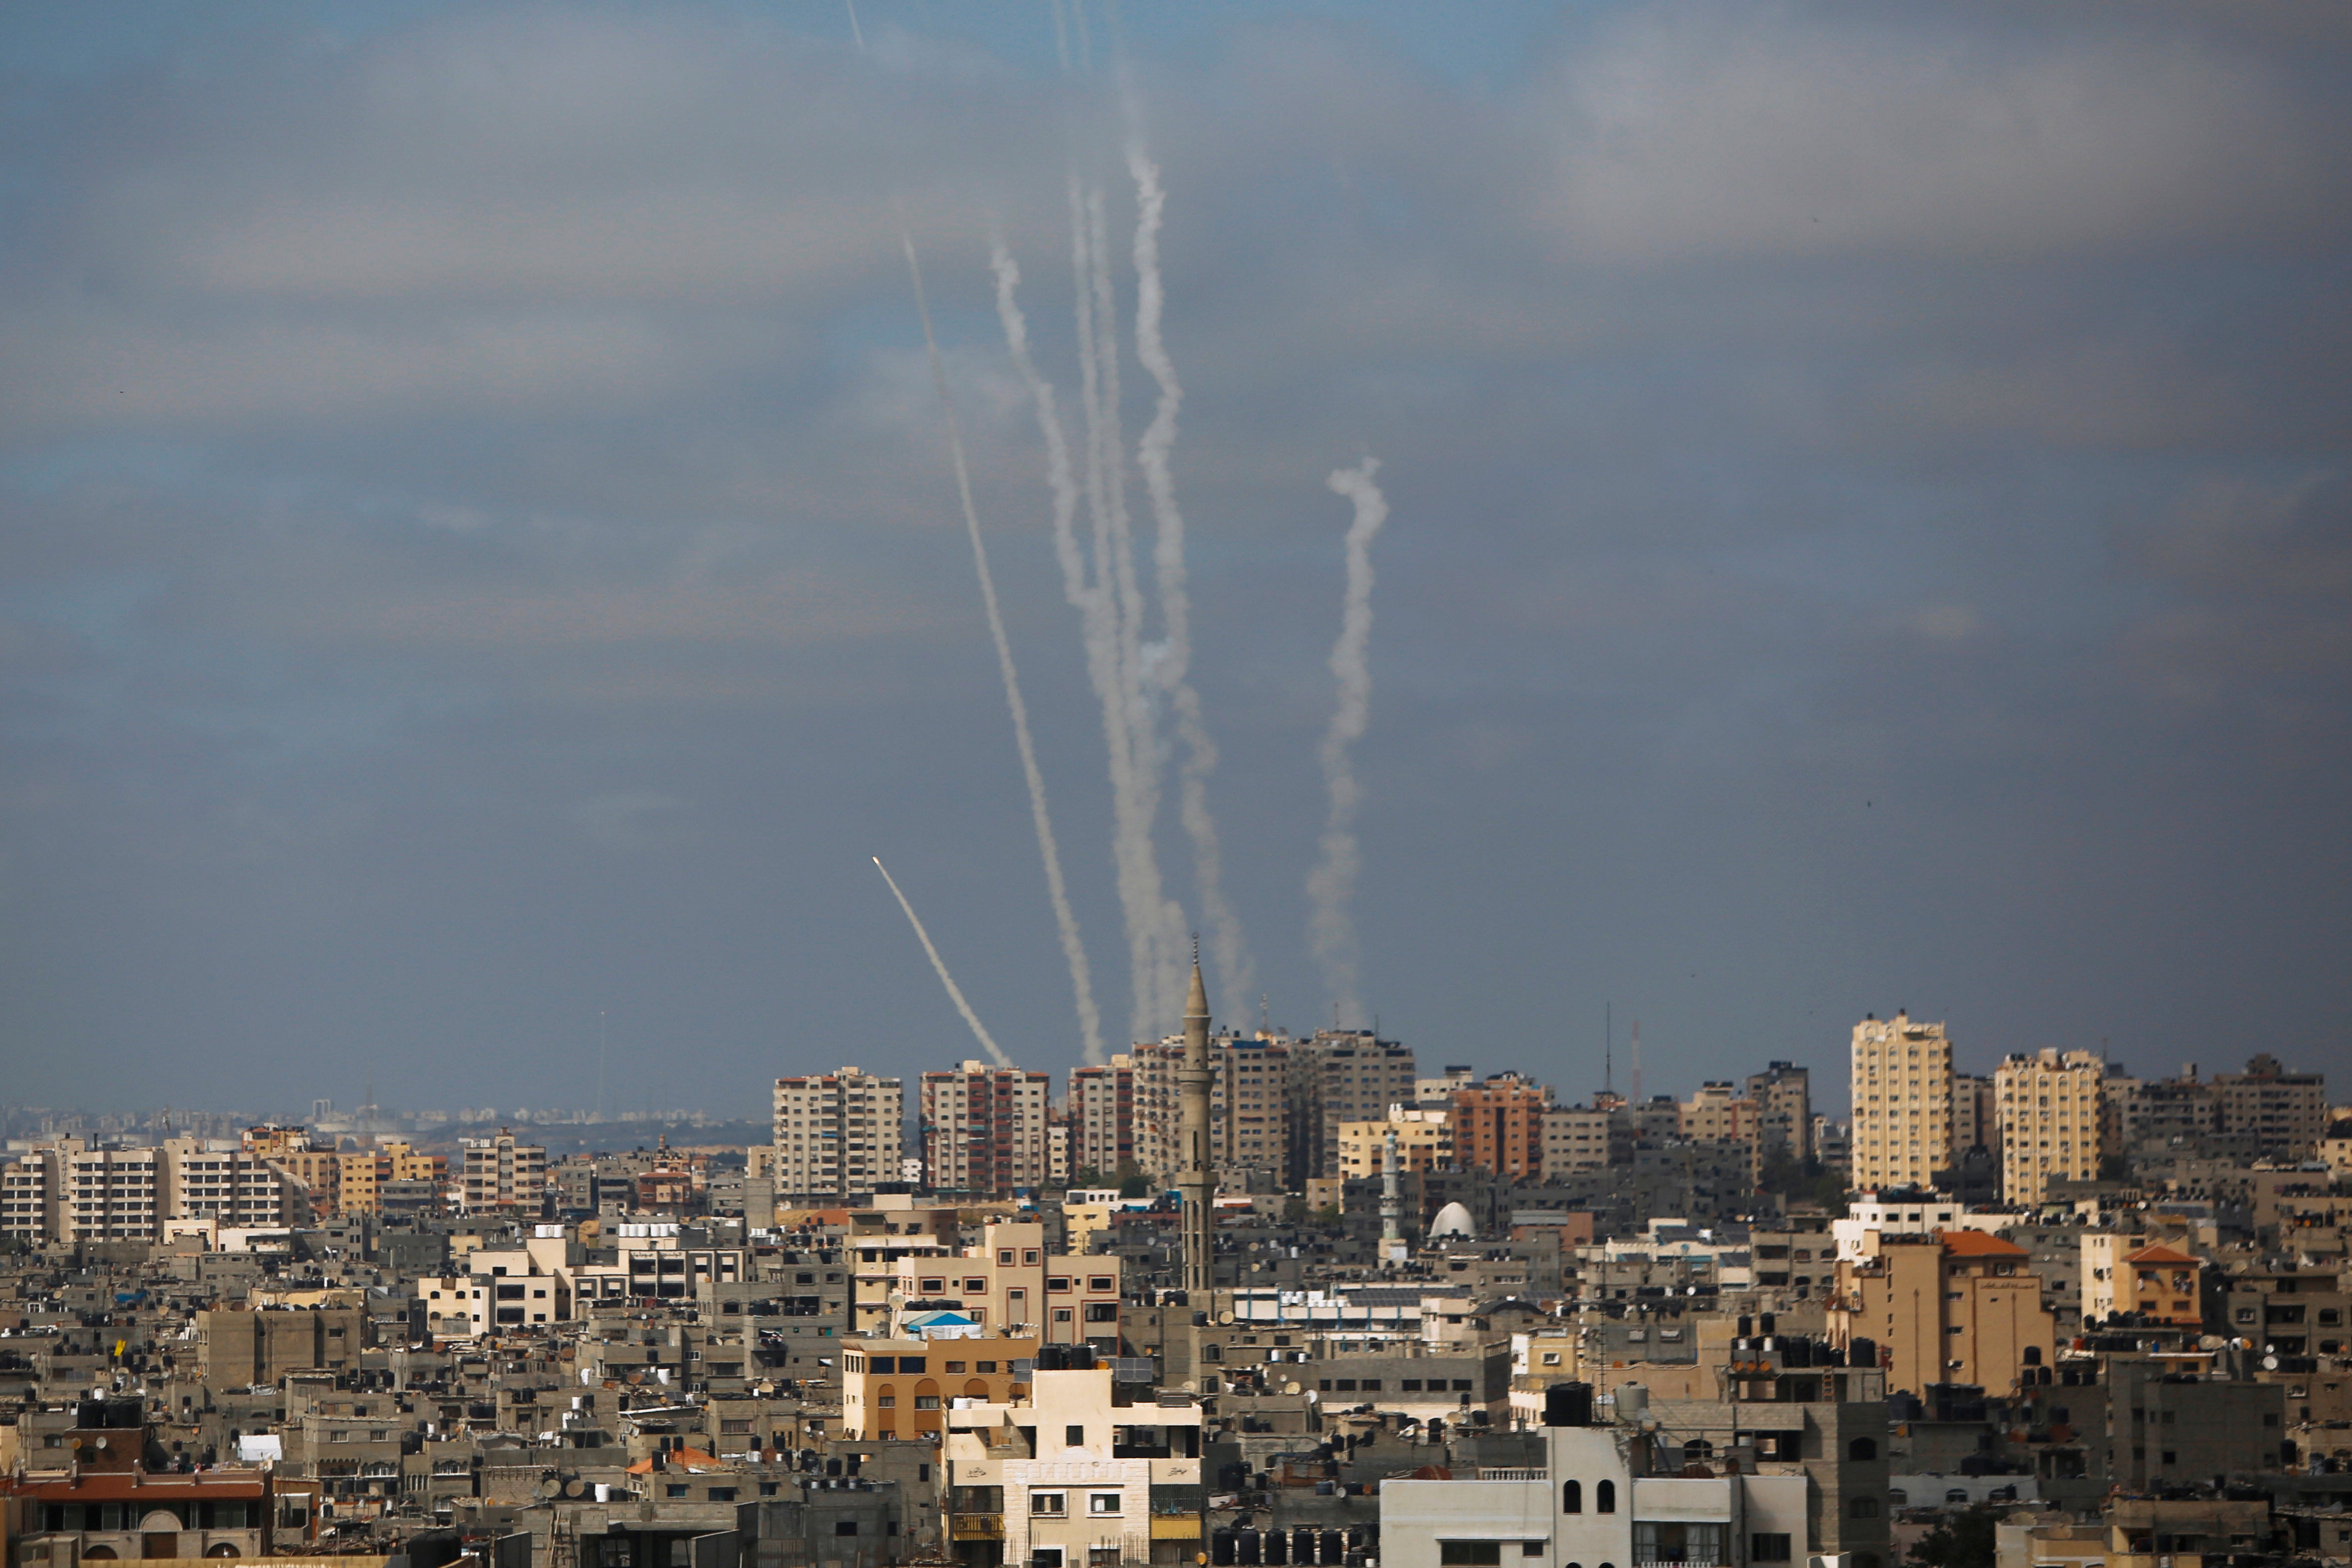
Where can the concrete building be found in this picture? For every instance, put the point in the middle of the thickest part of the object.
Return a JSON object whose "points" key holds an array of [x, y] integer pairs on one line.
{"points": [[502, 1176], [1349, 1075], [1902, 1089], [1783, 1095], [1012, 1283], [1583, 1138], [1100, 1108], [1611, 1494], [903, 1387], [113, 1195], [32, 1190], [1424, 1141], [1499, 1125], [1717, 1113], [838, 1134], [1957, 1306], [238, 1347], [1975, 1115], [984, 1129], [2282, 1111], [2049, 1116], [1078, 1475]]}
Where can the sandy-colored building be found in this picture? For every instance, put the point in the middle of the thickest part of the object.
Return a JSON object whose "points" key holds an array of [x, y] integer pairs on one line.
{"points": [[1717, 1113], [1424, 1140], [1959, 1306], [902, 1387], [1902, 1086], [838, 1133], [2048, 1105], [985, 1128]]}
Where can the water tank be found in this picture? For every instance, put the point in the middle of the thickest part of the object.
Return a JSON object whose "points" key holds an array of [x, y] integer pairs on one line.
{"points": [[1632, 1403], [1221, 1548], [1302, 1546], [1567, 1404], [1330, 1548], [1764, 1324], [1252, 1547], [1277, 1548]]}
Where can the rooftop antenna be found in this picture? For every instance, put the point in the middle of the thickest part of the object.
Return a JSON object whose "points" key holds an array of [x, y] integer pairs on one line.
{"points": [[1607, 1048], [1637, 1061], [603, 1052], [1262, 1026]]}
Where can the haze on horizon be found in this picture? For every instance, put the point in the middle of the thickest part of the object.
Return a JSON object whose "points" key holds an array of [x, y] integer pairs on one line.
{"points": [[1868, 526]]}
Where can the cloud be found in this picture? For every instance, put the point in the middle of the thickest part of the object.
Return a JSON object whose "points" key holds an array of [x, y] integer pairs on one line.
{"points": [[1683, 133]]}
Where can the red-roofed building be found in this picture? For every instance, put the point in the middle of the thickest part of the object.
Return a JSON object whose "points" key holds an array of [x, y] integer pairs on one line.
{"points": [[1959, 1306]]}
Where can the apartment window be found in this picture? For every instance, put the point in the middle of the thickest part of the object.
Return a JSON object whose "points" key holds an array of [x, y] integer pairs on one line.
{"points": [[1075, 1437], [1470, 1553], [1047, 1504], [1102, 1502], [1768, 1548], [1571, 1497], [1604, 1497]]}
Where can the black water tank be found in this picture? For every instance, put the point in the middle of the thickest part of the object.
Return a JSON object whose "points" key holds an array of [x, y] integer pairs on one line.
{"points": [[1567, 1405], [1331, 1547], [1744, 1327], [1860, 1352], [1251, 1548], [1221, 1548], [1302, 1546], [1764, 1324], [1277, 1548]]}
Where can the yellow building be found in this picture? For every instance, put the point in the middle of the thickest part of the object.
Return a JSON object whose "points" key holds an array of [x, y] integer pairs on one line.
{"points": [[1959, 1306], [1424, 1141], [2048, 1105], [2162, 1286], [1902, 1102], [901, 1387]]}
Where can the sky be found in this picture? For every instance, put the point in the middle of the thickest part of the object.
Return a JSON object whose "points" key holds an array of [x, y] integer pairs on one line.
{"points": [[481, 571]]}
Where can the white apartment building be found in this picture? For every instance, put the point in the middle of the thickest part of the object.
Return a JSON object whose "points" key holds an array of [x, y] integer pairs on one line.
{"points": [[1073, 1478], [229, 1184], [2048, 1111], [1870, 1217], [114, 1195], [838, 1134], [31, 1185], [1902, 1085], [1605, 1497], [986, 1129], [1577, 1138]]}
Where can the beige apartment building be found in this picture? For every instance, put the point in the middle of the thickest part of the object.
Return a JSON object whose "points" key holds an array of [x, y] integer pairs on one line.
{"points": [[1012, 1283], [838, 1133], [1582, 1138], [1959, 1306], [1259, 1104], [2049, 1114], [986, 1129], [502, 1176], [1783, 1093], [1902, 1087], [1101, 1112], [1717, 1113], [1424, 1141], [1975, 1115], [69, 1192]]}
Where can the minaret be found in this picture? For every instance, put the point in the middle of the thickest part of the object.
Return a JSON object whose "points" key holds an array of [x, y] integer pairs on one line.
{"points": [[1194, 1183], [1391, 1206]]}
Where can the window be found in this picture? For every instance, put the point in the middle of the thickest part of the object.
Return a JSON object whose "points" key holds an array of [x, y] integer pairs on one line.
{"points": [[1461, 1386], [1470, 1553], [1531, 1548], [1102, 1311], [721, 1494], [1047, 1504], [1411, 1385], [1551, 1358], [1604, 1500], [1075, 1437], [1571, 1497], [1862, 1449], [1102, 1502], [1768, 1548], [1101, 1283], [675, 1490], [976, 1287], [844, 1527], [927, 1401], [1863, 1508]]}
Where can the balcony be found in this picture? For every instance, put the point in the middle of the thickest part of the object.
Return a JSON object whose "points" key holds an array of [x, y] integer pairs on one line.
{"points": [[976, 1527]]}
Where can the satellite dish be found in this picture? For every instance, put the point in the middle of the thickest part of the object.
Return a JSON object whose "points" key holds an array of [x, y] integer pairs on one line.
{"points": [[1225, 1319], [2210, 1342], [551, 1487], [1290, 1387]]}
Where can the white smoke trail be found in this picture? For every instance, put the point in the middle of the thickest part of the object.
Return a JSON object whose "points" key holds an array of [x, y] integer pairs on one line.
{"points": [[1332, 885], [1172, 667], [1098, 633], [1074, 950], [955, 992], [1154, 924]]}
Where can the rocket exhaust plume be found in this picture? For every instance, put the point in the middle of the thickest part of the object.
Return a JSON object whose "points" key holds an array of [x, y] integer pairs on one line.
{"points": [[1073, 949], [1332, 885], [1171, 662], [1099, 636], [955, 992], [1154, 924]]}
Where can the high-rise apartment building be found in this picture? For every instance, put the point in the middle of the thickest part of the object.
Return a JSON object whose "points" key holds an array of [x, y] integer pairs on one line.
{"points": [[1584, 1138], [502, 1176], [113, 1195], [1976, 1118], [237, 1188], [1423, 1143], [1499, 1124], [32, 1186], [1902, 1083], [2281, 1111], [985, 1129], [1346, 1075], [1717, 1113], [1100, 1110], [1783, 1093], [2049, 1115], [838, 1134], [1258, 1103]]}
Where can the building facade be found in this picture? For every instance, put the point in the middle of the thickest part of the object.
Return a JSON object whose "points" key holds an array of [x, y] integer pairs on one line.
{"points": [[1902, 1087], [838, 1133], [2048, 1104], [985, 1129]]}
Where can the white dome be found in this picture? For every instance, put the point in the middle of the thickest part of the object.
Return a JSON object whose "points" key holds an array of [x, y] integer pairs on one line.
{"points": [[1452, 1220]]}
